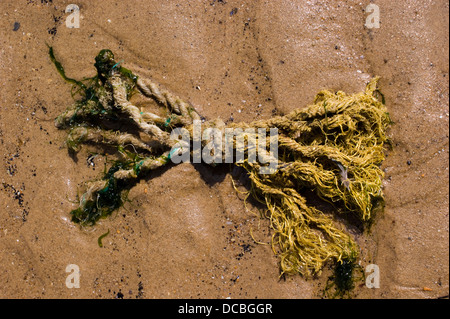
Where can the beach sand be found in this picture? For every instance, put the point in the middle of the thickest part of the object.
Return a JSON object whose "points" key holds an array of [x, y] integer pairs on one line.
{"points": [[186, 232]]}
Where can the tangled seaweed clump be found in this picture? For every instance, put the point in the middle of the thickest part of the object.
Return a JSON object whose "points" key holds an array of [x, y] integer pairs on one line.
{"points": [[333, 147]]}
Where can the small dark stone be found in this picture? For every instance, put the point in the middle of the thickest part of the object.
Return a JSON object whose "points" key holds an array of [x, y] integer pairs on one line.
{"points": [[52, 31], [16, 26], [408, 162]]}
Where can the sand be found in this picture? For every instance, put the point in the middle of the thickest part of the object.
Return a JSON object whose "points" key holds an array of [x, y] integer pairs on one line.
{"points": [[186, 232]]}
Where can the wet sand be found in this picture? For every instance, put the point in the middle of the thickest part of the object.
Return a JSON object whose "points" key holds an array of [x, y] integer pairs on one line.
{"points": [[186, 231]]}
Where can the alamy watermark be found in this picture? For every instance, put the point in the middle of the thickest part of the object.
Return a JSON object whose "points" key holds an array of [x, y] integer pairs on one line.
{"points": [[228, 145], [373, 19], [73, 19], [73, 279], [373, 276]]}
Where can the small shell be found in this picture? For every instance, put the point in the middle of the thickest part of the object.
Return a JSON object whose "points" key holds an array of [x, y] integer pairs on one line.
{"points": [[344, 175]]}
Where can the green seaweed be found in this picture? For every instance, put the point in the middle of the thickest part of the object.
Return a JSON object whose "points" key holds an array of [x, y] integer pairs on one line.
{"points": [[61, 71], [113, 195], [343, 275], [342, 282], [108, 199], [99, 241], [106, 65]]}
